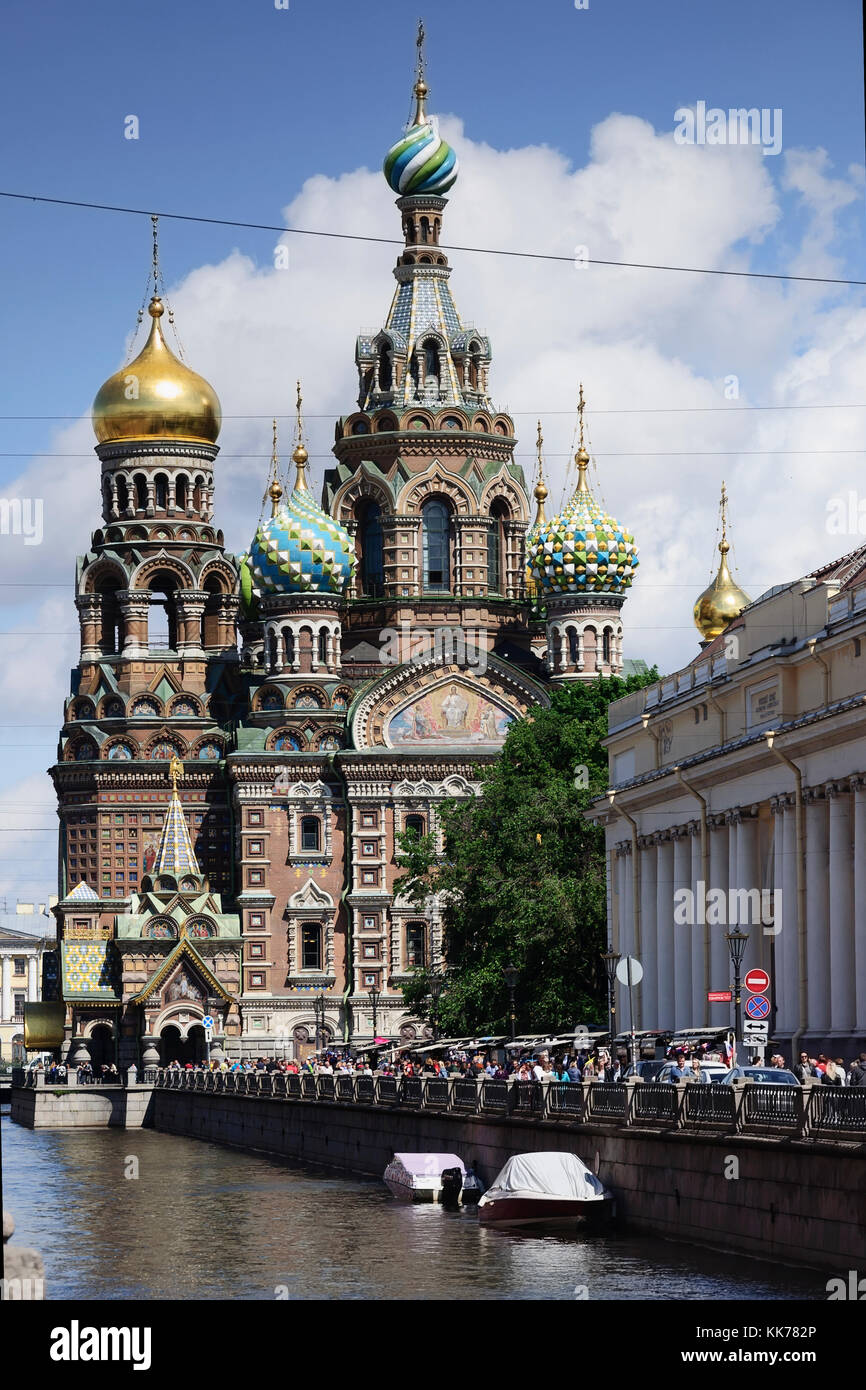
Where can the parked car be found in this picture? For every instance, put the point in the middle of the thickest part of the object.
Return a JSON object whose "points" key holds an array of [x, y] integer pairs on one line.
{"points": [[647, 1071], [710, 1071], [773, 1076]]}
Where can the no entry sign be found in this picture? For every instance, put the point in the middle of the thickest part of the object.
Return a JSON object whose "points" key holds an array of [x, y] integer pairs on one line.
{"points": [[757, 981]]}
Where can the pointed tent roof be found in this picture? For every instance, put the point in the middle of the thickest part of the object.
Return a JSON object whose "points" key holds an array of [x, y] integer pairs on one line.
{"points": [[175, 854], [82, 893]]}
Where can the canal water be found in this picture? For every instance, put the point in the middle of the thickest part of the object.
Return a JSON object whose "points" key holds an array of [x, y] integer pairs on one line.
{"points": [[204, 1222]]}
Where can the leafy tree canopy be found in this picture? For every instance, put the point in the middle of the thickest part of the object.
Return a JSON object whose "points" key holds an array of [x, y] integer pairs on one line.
{"points": [[522, 879]]}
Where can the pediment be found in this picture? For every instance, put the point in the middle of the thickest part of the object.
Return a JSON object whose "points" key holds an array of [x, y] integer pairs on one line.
{"points": [[310, 898]]}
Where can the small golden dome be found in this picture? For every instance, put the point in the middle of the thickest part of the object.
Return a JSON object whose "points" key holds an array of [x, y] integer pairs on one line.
{"points": [[722, 602], [156, 397]]}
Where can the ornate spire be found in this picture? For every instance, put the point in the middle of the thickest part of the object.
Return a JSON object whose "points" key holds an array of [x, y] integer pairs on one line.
{"points": [[723, 600], [540, 493], [420, 89], [581, 458], [300, 455], [275, 491], [175, 855]]}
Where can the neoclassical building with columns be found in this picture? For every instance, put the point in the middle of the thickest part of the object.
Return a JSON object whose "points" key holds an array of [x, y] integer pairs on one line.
{"points": [[738, 798], [321, 693]]}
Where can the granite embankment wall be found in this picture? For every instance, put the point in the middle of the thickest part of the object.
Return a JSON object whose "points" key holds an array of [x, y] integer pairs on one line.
{"points": [[82, 1107], [800, 1201]]}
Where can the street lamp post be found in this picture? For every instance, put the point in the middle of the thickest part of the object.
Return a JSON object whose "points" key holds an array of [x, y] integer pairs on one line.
{"points": [[374, 997], [435, 985], [510, 974], [737, 946], [611, 960], [319, 1006]]}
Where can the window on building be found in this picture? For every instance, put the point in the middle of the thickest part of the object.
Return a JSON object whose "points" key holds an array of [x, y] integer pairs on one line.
{"points": [[370, 547], [323, 646], [416, 945], [18, 1007], [311, 946], [310, 833], [605, 646], [20, 966], [436, 523], [415, 823]]}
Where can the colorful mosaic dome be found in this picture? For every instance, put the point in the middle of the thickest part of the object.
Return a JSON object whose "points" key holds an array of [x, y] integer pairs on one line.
{"points": [[582, 550], [300, 550], [422, 162]]}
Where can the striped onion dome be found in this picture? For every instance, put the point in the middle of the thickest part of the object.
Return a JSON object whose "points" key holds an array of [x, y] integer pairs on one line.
{"points": [[421, 163]]}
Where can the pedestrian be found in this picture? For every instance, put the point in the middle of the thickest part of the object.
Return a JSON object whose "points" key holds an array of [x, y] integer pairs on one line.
{"points": [[804, 1068], [832, 1076], [858, 1071]]}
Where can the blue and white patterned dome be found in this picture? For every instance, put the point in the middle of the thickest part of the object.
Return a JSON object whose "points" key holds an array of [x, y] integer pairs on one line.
{"points": [[300, 549], [422, 162]]}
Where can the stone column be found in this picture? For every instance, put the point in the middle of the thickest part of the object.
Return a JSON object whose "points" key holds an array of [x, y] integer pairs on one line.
{"points": [[32, 979], [842, 954], [720, 960], [858, 792], [817, 910], [748, 878], [785, 944], [188, 611], [683, 936], [7, 989], [135, 607], [646, 1005], [90, 619], [698, 930]]}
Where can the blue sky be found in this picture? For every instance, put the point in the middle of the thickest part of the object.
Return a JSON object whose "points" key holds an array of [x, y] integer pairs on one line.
{"points": [[246, 111]]}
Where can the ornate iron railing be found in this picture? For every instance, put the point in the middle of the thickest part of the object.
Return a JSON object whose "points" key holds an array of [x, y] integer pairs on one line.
{"points": [[817, 1112]]}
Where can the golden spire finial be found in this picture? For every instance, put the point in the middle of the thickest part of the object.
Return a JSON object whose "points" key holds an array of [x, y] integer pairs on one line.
{"points": [[581, 458], [420, 89], [300, 455], [154, 220], [540, 487], [723, 600], [175, 770], [275, 492]]}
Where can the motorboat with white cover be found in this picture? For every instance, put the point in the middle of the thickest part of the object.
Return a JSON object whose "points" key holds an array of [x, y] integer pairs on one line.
{"points": [[431, 1177], [553, 1188]]}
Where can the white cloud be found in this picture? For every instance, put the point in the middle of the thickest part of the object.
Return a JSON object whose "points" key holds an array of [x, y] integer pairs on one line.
{"points": [[638, 339]]}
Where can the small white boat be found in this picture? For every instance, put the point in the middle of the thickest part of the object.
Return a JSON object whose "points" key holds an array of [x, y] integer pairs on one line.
{"points": [[553, 1189], [431, 1177]]}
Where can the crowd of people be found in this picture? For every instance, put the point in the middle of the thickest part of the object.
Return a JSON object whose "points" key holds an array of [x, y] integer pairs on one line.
{"points": [[831, 1071]]}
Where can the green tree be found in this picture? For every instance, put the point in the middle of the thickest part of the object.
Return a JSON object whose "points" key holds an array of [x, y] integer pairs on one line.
{"points": [[522, 878]]}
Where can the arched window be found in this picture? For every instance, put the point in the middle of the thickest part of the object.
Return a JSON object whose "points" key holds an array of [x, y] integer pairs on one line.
{"points": [[161, 492], [573, 650], [310, 833], [273, 656], [605, 646], [311, 946], [425, 229], [371, 563], [323, 646], [416, 945], [288, 646], [180, 492], [436, 522], [496, 549], [474, 356], [140, 492], [431, 364], [386, 375], [122, 495], [415, 823]]}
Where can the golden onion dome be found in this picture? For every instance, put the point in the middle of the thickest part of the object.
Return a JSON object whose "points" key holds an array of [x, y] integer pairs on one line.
{"points": [[722, 602], [156, 397]]}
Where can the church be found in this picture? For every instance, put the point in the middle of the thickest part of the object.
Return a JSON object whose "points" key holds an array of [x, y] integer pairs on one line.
{"points": [[247, 735]]}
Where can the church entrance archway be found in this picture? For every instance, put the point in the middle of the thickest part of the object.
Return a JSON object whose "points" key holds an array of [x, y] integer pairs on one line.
{"points": [[101, 1044]]}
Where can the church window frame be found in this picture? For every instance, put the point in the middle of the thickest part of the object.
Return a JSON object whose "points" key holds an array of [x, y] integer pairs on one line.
{"points": [[436, 537], [310, 946]]}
